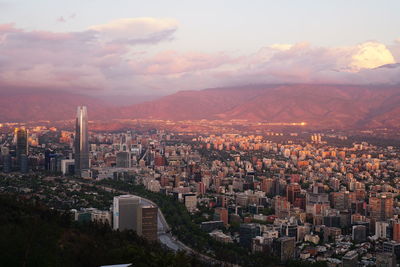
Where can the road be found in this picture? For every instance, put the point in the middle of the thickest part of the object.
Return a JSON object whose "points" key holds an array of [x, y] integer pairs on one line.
{"points": [[171, 242], [163, 229]]}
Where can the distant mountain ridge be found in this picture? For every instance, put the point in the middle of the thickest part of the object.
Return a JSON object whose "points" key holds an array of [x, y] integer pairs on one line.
{"points": [[320, 106]]}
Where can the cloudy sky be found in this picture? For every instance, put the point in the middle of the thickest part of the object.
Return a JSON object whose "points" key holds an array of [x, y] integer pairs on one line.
{"points": [[128, 47]]}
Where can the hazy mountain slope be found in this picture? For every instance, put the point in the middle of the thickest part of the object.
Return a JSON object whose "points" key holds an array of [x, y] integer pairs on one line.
{"points": [[34, 106], [204, 104], [323, 106], [318, 105]]}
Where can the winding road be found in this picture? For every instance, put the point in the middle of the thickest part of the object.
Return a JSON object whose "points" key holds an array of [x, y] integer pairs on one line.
{"points": [[163, 229]]}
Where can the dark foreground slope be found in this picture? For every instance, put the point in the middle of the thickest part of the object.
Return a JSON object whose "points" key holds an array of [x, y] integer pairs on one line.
{"points": [[32, 235]]}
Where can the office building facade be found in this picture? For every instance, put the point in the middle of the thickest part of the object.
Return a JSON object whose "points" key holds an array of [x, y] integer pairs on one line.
{"points": [[125, 210], [147, 222]]}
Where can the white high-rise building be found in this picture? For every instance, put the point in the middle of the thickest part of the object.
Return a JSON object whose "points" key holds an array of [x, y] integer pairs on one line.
{"points": [[380, 229], [125, 211]]}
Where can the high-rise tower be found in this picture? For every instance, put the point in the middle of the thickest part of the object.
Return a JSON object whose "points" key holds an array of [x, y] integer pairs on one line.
{"points": [[6, 159], [22, 149], [81, 141], [125, 212]]}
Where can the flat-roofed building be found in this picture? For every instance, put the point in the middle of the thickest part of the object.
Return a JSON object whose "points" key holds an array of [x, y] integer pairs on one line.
{"points": [[125, 212], [147, 222]]}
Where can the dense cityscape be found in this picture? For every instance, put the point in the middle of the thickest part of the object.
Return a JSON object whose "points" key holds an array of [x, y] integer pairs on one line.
{"points": [[226, 198]]}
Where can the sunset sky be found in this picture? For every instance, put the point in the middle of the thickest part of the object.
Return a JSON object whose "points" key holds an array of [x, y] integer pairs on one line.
{"points": [[158, 47]]}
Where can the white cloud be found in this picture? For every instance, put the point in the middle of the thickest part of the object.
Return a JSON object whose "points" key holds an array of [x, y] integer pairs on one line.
{"points": [[281, 47], [137, 30], [102, 59], [371, 55]]}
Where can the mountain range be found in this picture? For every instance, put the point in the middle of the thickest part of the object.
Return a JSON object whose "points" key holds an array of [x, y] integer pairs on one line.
{"points": [[320, 106]]}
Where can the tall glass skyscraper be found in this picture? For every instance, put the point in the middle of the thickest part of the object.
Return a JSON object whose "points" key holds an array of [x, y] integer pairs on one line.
{"points": [[81, 141], [22, 149]]}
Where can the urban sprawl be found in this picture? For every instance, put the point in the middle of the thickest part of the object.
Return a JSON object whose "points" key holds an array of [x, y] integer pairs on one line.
{"points": [[296, 199]]}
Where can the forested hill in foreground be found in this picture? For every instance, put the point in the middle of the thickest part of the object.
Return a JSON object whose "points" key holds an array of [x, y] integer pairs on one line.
{"points": [[33, 235]]}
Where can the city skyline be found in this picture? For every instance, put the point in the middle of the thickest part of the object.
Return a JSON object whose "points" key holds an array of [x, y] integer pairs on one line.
{"points": [[279, 197]]}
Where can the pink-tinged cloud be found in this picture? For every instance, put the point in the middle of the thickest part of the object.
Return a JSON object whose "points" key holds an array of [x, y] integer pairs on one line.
{"points": [[63, 19], [105, 58], [7, 28], [172, 62], [137, 30], [395, 49], [305, 63], [68, 61]]}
